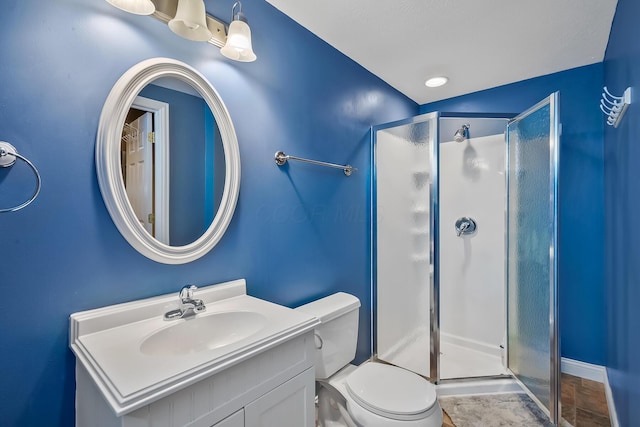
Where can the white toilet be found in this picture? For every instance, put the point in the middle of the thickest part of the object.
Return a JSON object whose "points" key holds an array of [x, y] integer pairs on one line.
{"points": [[372, 394]]}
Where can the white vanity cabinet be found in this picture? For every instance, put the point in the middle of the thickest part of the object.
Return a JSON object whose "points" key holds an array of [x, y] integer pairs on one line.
{"points": [[272, 389], [235, 420], [289, 405], [263, 379]]}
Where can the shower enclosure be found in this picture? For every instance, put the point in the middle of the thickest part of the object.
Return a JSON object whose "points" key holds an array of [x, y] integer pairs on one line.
{"points": [[465, 236]]}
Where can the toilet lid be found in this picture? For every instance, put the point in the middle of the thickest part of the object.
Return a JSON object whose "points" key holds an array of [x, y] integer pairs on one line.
{"points": [[391, 391]]}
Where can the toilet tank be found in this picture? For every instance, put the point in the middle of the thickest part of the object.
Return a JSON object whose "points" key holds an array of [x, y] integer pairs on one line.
{"points": [[336, 336]]}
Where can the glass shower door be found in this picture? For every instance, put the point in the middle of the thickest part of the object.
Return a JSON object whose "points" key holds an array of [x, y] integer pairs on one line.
{"points": [[531, 268], [405, 214]]}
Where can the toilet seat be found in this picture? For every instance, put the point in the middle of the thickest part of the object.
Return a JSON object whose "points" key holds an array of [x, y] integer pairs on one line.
{"points": [[391, 392]]}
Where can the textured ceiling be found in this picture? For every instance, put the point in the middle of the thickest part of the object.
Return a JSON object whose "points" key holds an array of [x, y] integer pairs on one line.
{"points": [[478, 44]]}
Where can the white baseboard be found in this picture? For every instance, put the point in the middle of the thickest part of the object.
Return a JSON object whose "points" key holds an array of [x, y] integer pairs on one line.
{"points": [[583, 370], [595, 373], [613, 415]]}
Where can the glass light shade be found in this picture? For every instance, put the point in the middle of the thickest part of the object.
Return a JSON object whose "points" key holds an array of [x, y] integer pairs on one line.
{"points": [[436, 81], [190, 21], [138, 7], [238, 46]]}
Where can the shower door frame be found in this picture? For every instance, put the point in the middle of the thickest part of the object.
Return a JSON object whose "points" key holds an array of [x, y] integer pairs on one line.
{"points": [[434, 238], [554, 310]]}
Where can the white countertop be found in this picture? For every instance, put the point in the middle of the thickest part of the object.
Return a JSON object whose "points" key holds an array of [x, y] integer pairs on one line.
{"points": [[107, 342]]}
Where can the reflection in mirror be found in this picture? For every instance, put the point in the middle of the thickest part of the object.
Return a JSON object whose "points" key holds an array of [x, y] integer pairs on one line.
{"points": [[172, 161]]}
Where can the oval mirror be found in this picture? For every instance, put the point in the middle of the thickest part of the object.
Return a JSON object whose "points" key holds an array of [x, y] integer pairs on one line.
{"points": [[168, 161]]}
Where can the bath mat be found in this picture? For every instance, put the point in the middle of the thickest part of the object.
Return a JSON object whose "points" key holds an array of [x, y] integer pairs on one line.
{"points": [[494, 410]]}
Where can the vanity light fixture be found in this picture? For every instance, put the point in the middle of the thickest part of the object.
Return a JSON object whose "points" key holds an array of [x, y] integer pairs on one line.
{"points": [[138, 7], [436, 81], [238, 46], [189, 19]]}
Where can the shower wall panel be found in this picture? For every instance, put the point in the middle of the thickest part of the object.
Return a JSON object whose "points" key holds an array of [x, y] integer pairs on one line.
{"points": [[472, 285], [403, 253]]}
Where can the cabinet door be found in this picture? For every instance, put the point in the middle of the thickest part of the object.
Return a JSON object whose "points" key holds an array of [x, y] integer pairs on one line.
{"points": [[289, 405], [234, 420]]}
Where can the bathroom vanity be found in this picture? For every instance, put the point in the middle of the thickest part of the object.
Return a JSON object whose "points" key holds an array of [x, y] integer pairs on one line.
{"points": [[241, 362]]}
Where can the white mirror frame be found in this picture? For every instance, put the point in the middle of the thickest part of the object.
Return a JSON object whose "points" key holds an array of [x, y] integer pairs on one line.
{"points": [[112, 119]]}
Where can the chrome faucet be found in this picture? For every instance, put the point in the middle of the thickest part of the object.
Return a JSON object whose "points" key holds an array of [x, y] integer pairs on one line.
{"points": [[189, 305]]}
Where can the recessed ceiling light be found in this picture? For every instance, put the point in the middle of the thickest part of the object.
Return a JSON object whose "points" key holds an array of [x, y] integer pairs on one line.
{"points": [[436, 81]]}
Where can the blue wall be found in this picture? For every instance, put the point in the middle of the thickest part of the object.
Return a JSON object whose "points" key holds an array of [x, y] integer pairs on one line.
{"points": [[299, 232], [582, 293], [622, 188]]}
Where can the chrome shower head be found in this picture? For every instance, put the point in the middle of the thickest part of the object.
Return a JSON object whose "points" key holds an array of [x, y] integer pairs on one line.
{"points": [[462, 133]]}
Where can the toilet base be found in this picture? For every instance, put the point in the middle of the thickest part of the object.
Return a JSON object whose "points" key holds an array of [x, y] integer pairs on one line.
{"points": [[332, 411], [337, 410]]}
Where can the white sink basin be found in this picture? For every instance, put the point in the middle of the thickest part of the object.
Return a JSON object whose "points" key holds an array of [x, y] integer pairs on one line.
{"points": [[135, 357], [204, 332]]}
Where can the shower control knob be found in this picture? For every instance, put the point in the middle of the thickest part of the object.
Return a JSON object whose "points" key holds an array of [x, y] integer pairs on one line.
{"points": [[465, 226]]}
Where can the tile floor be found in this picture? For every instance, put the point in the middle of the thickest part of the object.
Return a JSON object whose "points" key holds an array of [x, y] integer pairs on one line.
{"points": [[584, 403], [447, 421]]}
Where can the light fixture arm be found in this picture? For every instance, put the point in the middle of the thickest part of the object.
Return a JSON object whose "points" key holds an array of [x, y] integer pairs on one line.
{"points": [[238, 46], [237, 16]]}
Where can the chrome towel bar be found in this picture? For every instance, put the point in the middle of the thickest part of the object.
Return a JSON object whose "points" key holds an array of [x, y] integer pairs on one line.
{"points": [[281, 160]]}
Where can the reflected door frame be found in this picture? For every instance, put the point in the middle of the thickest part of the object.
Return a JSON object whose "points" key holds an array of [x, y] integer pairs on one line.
{"points": [[160, 111], [138, 169]]}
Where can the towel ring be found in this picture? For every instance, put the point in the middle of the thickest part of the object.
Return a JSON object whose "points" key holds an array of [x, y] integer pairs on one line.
{"points": [[6, 152]]}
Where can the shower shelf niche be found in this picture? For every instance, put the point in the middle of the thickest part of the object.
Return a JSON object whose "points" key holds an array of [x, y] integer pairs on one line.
{"points": [[420, 209], [421, 257], [419, 231], [421, 178]]}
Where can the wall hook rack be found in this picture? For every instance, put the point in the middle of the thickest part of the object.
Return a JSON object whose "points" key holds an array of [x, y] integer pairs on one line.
{"points": [[614, 107], [281, 160], [8, 155]]}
